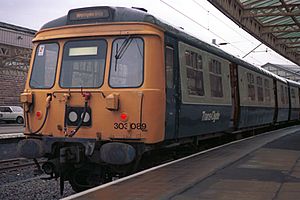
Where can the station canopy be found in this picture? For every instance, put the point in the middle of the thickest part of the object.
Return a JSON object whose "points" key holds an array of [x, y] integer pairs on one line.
{"points": [[276, 23]]}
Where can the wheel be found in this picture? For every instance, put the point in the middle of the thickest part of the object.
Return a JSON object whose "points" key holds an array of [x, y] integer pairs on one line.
{"points": [[20, 120], [85, 178]]}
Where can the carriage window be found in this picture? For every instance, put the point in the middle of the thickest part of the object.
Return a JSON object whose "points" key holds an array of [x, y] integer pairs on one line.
{"points": [[251, 87], [215, 77], [293, 95], [267, 90], [44, 67], [127, 63], [260, 94], [83, 64], [282, 94], [286, 95], [194, 72], [169, 66]]}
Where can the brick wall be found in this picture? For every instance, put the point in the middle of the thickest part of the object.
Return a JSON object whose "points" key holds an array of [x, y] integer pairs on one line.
{"points": [[11, 86]]}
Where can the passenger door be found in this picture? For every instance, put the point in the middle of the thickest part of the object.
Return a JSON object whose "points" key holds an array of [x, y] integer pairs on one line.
{"points": [[172, 96]]}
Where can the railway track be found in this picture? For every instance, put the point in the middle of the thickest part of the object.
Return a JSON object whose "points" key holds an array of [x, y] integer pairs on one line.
{"points": [[17, 163]]}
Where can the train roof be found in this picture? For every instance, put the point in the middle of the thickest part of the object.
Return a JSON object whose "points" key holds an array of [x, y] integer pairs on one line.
{"points": [[105, 14], [293, 83]]}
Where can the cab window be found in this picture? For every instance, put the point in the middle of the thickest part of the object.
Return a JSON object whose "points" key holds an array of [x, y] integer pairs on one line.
{"points": [[83, 64], [44, 67], [127, 63]]}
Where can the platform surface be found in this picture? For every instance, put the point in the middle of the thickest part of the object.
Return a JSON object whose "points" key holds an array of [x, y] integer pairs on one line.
{"points": [[263, 167]]}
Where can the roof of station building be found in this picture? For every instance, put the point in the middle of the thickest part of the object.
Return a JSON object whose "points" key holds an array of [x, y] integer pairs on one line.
{"points": [[276, 23], [17, 28]]}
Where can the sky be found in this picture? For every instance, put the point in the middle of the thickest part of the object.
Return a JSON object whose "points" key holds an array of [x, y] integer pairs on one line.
{"points": [[197, 17]]}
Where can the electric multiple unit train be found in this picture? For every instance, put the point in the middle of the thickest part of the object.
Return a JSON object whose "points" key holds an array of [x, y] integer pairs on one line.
{"points": [[108, 84]]}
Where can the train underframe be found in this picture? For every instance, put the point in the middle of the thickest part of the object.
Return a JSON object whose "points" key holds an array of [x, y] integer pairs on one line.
{"points": [[85, 163]]}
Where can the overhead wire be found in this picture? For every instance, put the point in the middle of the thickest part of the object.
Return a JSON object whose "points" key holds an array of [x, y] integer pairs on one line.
{"points": [[215, 34], [220, 20]]}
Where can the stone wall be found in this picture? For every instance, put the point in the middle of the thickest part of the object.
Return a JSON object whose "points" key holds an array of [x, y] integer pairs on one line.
{"points": [[11, 86]]}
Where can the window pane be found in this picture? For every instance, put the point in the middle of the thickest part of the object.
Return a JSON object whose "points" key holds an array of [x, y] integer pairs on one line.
{"points": [[260, 94], [267, 83], [199, 62], [293, 93], [215, 78], [251, 87], [286, 95], [169, 66], [194, 74], [282, 94], [44, 67], [83, 64], [126, 69], [187, 58], [267, 90], [216, 86], [195, 82], [259, 81]]}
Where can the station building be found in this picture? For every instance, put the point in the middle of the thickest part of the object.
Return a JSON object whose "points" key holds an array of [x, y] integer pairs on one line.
{"points": [[15, 52]]}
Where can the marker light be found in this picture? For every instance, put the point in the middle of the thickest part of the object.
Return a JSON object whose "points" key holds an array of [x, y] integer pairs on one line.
{"points": [[38, 114], [124, 117], [87, 117], [73, 116]]}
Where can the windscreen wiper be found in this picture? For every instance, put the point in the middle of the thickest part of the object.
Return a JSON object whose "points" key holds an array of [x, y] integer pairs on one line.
{"points": [[120, 52]]}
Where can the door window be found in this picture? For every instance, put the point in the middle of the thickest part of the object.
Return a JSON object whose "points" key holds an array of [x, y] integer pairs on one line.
{"points": [[169, 66]]}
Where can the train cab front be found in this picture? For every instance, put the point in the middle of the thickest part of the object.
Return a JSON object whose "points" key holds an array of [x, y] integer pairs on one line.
{"points": [[95, 96]]}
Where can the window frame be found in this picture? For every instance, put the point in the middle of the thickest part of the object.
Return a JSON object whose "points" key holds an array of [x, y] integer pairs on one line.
{"points": [[82, 40], [56, 67], [111, 57]]}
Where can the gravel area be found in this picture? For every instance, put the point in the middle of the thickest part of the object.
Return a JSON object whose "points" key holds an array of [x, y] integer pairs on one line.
{"points": [[24, 185]]}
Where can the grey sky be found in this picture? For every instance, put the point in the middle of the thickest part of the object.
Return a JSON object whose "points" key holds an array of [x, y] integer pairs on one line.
{"points": [[197, 17]]}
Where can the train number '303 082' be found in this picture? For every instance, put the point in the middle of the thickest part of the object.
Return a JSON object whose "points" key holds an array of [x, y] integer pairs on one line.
{"points": [[133, 126]]}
